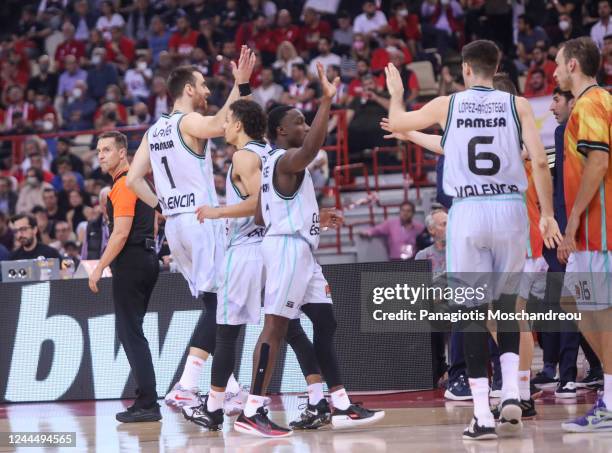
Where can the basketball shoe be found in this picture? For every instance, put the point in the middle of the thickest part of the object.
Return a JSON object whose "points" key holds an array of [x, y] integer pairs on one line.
{"points": [[234, 402], [599, 418], [260, 425], [179, 396], [200, 415], [355, 416], [314, 416], [475, 431]]}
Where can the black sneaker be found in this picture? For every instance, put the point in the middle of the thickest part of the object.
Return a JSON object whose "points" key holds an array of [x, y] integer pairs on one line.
{"points": [[260, 425], [200, 415], [354, 416], [139, 414], [542, 378], [510, 418], [474, 431], [566, 390], [593, 379], [314, 416], [535, 391], [527, 409]]}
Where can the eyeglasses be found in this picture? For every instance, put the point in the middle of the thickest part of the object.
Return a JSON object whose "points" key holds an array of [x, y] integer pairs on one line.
{"points": [[22, 229]]}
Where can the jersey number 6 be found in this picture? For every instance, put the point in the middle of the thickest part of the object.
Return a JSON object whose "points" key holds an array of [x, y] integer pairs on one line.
{"points": [[474, 157]]}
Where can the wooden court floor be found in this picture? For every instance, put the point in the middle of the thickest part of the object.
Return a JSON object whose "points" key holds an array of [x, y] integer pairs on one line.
{"points": [[415, 422]]}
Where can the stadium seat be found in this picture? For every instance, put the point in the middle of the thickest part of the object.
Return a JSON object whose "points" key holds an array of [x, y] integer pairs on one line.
{"points": [[425, 75]]}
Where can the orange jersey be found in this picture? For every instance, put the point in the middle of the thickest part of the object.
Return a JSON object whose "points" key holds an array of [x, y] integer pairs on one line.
{"points": [[589, 128], [535, 241]]}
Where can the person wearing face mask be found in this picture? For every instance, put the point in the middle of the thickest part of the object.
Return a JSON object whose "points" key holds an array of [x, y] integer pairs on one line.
{"points": [[44, 116], [371, 21], [405, 24], [137, 80], [31, 193], [112, 108], [442, 23], [101, 74], [79, 110], [69, 78], [46, 81], [566, 29], [141, 115]]}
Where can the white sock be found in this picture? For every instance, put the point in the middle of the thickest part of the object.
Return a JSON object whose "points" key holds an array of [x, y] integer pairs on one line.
{"points": [[253, 403], [524, 388], [607, 393], [480, 396], [315, 393], [340, 399], [509, 367], [232, 385], [191, 372], [215, 400]]}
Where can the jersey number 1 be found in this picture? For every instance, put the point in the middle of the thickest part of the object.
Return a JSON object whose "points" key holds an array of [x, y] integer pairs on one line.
{"points": [[165, 162], [474, 157]]}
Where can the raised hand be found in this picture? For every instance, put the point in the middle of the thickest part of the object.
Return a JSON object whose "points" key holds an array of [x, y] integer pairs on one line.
{"points": [[246, 63], [395, 86], [329, 88]]}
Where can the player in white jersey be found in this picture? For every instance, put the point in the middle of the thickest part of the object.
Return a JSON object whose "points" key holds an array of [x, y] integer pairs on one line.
{"points": [[240, 293], [294, 280], [175, 148], [483, 133]]}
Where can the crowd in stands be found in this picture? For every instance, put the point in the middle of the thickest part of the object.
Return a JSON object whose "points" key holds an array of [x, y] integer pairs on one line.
{"points": [[73, 65]]}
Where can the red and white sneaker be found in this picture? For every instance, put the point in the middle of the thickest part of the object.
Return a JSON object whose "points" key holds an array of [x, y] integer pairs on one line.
{"points": [[260, 425], [355, 416], [179, 396]]}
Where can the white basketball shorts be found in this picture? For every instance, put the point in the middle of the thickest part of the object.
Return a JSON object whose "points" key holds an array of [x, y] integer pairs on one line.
{"points": [[533, 279], [588, 279]]}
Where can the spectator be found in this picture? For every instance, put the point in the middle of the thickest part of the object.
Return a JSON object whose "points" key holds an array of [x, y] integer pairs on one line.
{"points": [[605, 76], [70, 181], [36, 162], [31, 193], [101, 75], [76, 213], [286, 57], [265, 7], [112, 101], [158, 38], [69, 78], [83, 20], [529, 35], [360, 51], [63, 150], [442, 23], [436, 252], [372, 21], [566, 29], [141, 115], [17, 104], [540, 61], [355, 87], [45, 82], [364, 115], [230, 18], [269, 92], [285, 30], [139, 20], [382, 56], [54, 213], [603, 27], [406, 25], [325, 56], [108, 20], [7, 238], [110, 115], [70, 46], [96, 41], [400, 232], [121, 50], [537, 86], [44, 117], [200, 60], [45, 228], [4, 253], [314, 28], [256, 35], [411, 83], [164, 65], [20, 126], [78, 112], [210, 36], [301, 93], [8, 199], [448, 84], [341, 96], [64, 167], [159, 101], [182, 41], [97, 233], [26, 235], [343, 34], [33, 31], [137, 80], [34, 145]]}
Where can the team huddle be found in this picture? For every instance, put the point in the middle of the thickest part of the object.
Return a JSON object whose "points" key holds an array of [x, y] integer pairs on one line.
{"points": [[262, 241]]}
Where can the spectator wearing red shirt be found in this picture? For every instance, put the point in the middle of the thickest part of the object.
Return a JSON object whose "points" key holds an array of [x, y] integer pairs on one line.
{"points": [[112, 103], [256, 35], [537, 86], [314, 28], [70, 46], [15, 103], [606, 62], [183, 40], [44, 116], [355, 88], [405, 24], [539, 61], [381, 56], [285, 30], [411, 83], [120, 50]]}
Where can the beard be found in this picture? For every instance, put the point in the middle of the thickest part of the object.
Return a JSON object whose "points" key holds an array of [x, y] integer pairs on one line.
{"points": [[26, 242]]}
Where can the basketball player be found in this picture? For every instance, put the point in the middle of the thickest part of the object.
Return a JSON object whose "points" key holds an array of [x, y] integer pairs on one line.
{"points": [[244, 277], [484, 172], [176, 149], [294, 280], [587, 179]]}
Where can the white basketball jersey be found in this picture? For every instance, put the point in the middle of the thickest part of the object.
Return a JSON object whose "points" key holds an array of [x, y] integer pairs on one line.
{"points": [[482, 145], [183, 179], [298, 214], [243, 230]]}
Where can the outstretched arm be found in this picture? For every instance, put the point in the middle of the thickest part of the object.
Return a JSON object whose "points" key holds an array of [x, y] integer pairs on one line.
{"points": [[432, 142], [203, 127], [296, 160], [140, 167]]}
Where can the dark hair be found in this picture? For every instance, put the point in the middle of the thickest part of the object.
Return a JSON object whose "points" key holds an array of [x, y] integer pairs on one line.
{"points": [[502, 82], [49, 189], [408, 203], [275, 117], [483, 56], [252, 117], [18, 217], [38, 208], [300, 66], [119, 137], [528, 20], [335, 67], [566, 94], [325, 38], [178, 78], [63, 160], [585, 51], [39, 174], [539, 71], [607, 37]]}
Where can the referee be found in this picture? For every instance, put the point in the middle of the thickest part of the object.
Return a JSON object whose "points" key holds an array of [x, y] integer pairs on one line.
{"points": [[131, 254]]}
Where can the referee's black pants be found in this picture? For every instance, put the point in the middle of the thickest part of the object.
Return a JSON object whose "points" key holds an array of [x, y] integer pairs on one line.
{"points": [[135, 272]]}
